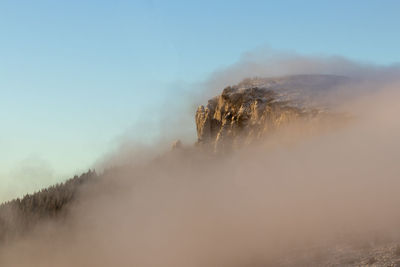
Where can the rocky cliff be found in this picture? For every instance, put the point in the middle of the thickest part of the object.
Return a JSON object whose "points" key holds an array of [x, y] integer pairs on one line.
{"points": [[257, 107]]}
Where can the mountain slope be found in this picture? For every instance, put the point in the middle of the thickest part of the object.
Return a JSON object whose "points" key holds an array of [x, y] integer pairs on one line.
{"points": [[20, 216]]}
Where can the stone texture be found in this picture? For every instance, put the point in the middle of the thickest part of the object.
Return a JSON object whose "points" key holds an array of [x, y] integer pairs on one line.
{"points": [[257, 107]]}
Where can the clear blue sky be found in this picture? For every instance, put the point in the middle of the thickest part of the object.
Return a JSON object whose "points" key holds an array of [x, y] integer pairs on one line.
{"points": [[75, 74]]}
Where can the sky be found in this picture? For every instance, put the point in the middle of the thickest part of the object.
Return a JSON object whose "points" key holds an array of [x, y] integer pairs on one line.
{"points": [[77, 75]]}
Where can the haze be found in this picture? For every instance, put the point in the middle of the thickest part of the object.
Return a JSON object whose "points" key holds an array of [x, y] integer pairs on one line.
{"points": [[112, 86], [76, 78]]}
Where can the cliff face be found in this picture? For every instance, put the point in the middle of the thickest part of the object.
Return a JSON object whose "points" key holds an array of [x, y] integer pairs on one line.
{"points": [[256, 107]]}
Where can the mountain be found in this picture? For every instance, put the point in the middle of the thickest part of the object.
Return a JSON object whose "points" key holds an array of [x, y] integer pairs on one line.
{"points": [[182, 179], [240, 115], [257, 107]]}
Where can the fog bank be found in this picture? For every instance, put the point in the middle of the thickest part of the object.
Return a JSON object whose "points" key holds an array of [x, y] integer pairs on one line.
{"points": [[254, 207]]}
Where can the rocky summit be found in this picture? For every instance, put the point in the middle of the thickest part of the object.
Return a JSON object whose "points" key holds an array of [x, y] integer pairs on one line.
{"points": [[257, 107]]}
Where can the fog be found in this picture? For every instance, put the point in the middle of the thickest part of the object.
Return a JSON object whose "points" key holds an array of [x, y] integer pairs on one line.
{"points": [[296, 191]]}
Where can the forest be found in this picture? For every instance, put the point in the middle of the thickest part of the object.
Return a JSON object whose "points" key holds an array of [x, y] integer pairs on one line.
{"points": [[21, 215]]}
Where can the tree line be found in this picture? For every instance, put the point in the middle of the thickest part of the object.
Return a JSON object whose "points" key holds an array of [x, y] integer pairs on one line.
{"points": [[21, 215]]}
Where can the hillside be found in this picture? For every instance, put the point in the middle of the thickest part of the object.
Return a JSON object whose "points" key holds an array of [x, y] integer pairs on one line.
{"points": [[21, 215], [242, 114], [213, 201]]}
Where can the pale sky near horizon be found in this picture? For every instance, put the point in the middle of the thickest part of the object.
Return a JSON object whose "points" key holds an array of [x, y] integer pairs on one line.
{"points": [[77, 75]]}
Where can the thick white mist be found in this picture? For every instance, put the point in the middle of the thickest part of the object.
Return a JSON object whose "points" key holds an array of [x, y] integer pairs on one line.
{"points": [[296, 191]]}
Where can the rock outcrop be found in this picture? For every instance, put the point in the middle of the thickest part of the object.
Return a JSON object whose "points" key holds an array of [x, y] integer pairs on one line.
{"points": [[257, 107]]}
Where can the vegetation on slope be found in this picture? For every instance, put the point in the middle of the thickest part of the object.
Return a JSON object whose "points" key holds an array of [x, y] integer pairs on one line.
{"points": [[21, 215]]}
